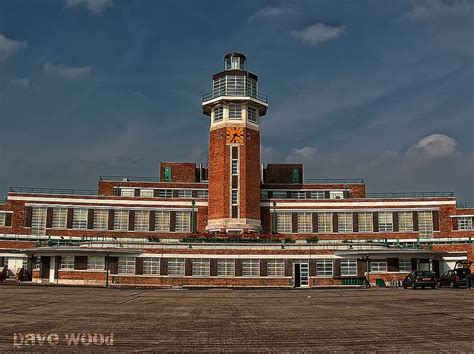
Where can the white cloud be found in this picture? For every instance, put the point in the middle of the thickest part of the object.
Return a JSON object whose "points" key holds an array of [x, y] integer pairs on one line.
{"points": [[94, 6], [300, 155], [271, 12], [23, 82], [67, 72], [427, 9], [434, 145], [318, 33], [8, 46]]}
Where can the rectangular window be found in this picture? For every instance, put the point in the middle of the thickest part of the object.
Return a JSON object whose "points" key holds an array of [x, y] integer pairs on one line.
{"points": [[366, 222], [324, 267], [127, 192], [225, 267], [147, 193], [235, 196], [405, 265], [38, 221], [317, 195], [235, 85], [385, 221], [250, 267], [425, 223], [79, 220], [298, 195], [176, 266], [201, 267], [345, 222], [252, 114], [405, 221], [235, 111], [279, 195], [142, 220], [126, 265], [185, 193], [59, 218], [251, 86], [218, 87], [67, 262], [235, 167], [101, 219], [276, 267], [2, 219], [95, 263], [202, 193], [162, 221], [283, 222], [378, 266], [325, 222], [165, 193], [183, 221], [348, 267], [305, 222], [218, 114], [121, 220], [464, 223], [151, 266]]}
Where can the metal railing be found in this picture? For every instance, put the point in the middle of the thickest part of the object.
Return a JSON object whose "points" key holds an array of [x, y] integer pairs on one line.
{"points": [[410, 195], [248, 93], [334, 180], [468, 205], [129, 179], [62, 191], [3, 200]]}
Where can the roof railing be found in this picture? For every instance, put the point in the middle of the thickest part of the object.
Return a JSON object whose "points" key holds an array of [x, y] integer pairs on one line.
{"points": [[410, 195], [129, 179], [334, 180], [59, 191], [466, 205], [247, 93]]}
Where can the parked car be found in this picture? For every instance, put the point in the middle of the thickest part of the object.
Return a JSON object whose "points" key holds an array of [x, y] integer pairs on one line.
{"points": [[454, 278], [419, 278]]}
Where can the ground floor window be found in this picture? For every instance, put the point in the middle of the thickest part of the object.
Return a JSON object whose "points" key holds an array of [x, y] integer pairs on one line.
{"points": [[405, 265], [250, 267], [348, 267], [378, 266], [201, 267], [95, 263], [324, 267], [465, 223], [67, 262], [151, 266], [176, 266], [126, 265], [276, 267], [226, 267]]}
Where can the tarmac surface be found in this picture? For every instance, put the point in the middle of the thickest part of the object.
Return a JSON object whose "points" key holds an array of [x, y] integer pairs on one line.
{"points": [[50, 318]]}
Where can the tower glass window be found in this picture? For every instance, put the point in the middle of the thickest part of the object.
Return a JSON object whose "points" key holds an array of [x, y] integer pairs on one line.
{"points": [[235, 111], [235, 85], [218, 86], [252, 114], [218, 114]]}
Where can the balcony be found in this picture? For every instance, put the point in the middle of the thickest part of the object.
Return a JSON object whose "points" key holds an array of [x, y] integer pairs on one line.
{"points": [[57, 191], [468, 205], [410, 195], [333, 180], [235, 93], [129, 179]]}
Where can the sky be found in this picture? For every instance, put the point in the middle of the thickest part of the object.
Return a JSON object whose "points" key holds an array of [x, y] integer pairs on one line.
{"points": [[378, 89]]}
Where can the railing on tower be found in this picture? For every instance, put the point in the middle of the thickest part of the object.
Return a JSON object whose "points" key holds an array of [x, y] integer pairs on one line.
{"points": [[248, 93], [468, 205]]}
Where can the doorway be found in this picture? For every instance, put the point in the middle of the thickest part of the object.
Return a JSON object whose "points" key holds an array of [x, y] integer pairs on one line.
{"points": [[300, 274]]}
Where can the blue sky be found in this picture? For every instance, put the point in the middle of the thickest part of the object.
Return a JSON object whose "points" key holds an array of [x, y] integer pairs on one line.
{"points": [[376, 89]]}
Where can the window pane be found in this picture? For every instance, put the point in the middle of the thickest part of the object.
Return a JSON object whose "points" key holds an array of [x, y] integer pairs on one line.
{"points": [[366, 222], [305, 222], [283, 222], [235, 111], [176, 266], [252, 114], [67, 262], [385, 221], [225, 267], [101, 219], [121, 220], [317, 195], [378, 266], [38, 221], [325, 222], [185, 193], [324, 267], [151, 266], [162, 221], [201, 267], [276, 267], [425, 223], [348, 267], [251, 267], [405, 221], [127, 192], [126, 265], [465, 223], [146, 193], [59, 218], [79, 220], [142, 220], [183, 221], [405, 265], [345, 222], [95, 263]]}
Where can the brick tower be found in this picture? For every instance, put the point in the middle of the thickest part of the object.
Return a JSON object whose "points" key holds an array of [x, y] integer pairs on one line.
{"points": [[235, 107]]}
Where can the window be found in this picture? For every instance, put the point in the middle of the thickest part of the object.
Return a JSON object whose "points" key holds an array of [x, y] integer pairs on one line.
{"points": [[59, 218], [165, 193], [324, 222], [202, 193], [183, 221], [235, 196], [201, 267], [324, 267], [95, 263], [185, 193], [385, 221], [79, 220], [225, 267], [425, 223], [67, 262], [405, 265], [283, 222], [263, 195], [101, 219], [336, 195], [465, 223], [2, 219], [235, 85], [317, 195], [348, 267], [151, 266], [218, 86], [127, 192], [176, 266], [162, 221], [235, 111], [252, 114], [142, 220], [38, 221], [218, 114], [235, 167], [305, 222], [298, 195], [251, 86], [126, 265], [276, 267], [147, 193], [279, 195], [366, 222], [405, 221], [345, 222], [250, 267], [37, 263], [378, 266], [121, 220]]}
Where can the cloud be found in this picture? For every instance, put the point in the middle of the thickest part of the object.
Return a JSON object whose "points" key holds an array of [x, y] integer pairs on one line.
{"points": [[428, 9], [94, 6], [434, 145], [67, 72], [271, 12], [23, 82], [300, 155], [9, 47], [318, 33]]}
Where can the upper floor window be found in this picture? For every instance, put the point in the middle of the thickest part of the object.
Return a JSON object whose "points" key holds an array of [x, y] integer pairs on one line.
{"points": [[298, 194], [2, 219], [218, 114], [235, 85], [405, 221], [465, 223], [317, 195], [235, 196], [101, 219], [235, 111], [121, 220], [142, 220], [325, 222], [305, 222], [283, 222], [336, 194], [279, 195], [252, 114], [425, 223], [79, 220], [345, 222], [185, 193], [59, 218], [165, 193], [146, 193], [366, 222], [127, 192], [385, 221], [38, 221], [202, 193], [183, 221], [162, 221]]}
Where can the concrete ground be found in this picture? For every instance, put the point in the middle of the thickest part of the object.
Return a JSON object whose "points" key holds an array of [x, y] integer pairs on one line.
{"points": [[237, 320]]}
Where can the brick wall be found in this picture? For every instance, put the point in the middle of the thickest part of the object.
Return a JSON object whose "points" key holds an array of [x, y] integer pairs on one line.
{"points": [[250, 175], [180, 171]]}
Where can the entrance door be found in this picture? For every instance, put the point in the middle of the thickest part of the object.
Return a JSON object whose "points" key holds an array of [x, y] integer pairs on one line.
{"points": [[304, 274], [297, 275]]}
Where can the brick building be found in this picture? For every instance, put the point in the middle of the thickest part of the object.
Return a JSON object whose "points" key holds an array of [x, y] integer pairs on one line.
{"points": [[231, 222]]}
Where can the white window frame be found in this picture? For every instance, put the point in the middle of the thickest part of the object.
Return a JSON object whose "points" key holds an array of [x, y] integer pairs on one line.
{"points": [[250, 267], [235, 111], [67, 263], [101, 219], [147, 193], [284, 222], [324, 268], [225, 267], [404, 265], [385, 221], [2, 219], [425, 223], [59, 218], [378, 266], [366, 221], [38, 221], [218, 114], [345, 222], [79, 220], [201, 267], [185, 193], [165, 193], [183, 221], [465, 223], [142, 220], [126, 265], [151, 266], [176, 267], [275, 267], [127, 192], [317, 195], [121, 219], [202, 193], [405, 221], [252, 114], [305, 222], [95, 263], [348, 267], [325, 222], [162, 220]]}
